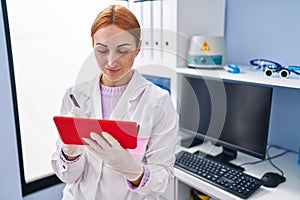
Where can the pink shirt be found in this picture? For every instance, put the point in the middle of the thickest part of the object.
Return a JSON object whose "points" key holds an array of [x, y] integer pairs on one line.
{"points": [[110, 96]]}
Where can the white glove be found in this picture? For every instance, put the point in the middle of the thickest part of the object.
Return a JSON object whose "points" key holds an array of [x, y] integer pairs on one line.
{"points": [[113, 154], [76, 112], [73, 150]]}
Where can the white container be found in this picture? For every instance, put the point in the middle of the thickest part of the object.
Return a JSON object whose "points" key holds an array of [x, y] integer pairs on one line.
{"points": [[206, 52]]}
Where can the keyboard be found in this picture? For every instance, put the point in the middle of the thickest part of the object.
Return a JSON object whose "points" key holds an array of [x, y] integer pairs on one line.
{"points": [[231, 180]]}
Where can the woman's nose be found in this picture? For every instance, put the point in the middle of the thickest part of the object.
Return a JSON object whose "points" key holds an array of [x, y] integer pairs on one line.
{"points": [[112, 59]]}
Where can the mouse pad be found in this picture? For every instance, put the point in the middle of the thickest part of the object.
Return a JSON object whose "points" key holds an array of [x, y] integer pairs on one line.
{"points": [[72, 129]]}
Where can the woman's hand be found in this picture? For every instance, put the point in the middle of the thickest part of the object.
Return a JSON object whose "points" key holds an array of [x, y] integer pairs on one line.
{"points": [[112, 153], [71, 152]]}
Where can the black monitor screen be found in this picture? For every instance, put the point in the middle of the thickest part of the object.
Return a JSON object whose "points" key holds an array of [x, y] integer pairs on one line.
{"points": [[232, 114]]}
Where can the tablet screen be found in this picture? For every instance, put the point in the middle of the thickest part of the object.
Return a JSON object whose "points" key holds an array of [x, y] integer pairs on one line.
{"points": [[73, 129]]}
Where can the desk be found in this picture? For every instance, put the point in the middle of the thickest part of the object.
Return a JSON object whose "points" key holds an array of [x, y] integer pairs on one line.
{"points": [[290, 189]]}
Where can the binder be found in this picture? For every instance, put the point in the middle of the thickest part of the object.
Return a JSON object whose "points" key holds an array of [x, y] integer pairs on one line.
{"points": [[157, 18], [169, 32], [147, 28]]}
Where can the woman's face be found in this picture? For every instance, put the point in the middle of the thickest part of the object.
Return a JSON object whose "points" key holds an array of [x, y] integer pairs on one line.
{"points": [[115, 51]]}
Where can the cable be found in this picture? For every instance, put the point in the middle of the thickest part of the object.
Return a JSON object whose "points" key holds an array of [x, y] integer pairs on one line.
{"points": [[268, 158]]}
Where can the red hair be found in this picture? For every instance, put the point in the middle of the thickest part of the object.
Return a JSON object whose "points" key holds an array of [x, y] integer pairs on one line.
{"points": [[119, 16]]}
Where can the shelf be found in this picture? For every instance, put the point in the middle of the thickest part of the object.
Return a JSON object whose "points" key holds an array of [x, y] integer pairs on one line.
{"points": [[246, 75]]}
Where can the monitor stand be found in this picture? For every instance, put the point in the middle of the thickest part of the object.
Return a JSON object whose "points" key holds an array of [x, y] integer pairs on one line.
{"points": [[224, 158]]}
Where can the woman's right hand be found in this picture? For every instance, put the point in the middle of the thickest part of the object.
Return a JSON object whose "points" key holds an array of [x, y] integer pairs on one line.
{"points": [[71, 152], [76, 112]]}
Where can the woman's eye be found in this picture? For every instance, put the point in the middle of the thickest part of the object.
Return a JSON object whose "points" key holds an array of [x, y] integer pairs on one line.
{"points": [[102, 50], [123, 51]]}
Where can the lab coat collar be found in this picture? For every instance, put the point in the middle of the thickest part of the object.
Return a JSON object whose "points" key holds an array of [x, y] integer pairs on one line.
{"points": [[135, 88], [90, 92]]}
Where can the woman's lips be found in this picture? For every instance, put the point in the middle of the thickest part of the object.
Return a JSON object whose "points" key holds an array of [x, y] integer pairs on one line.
{"points": [[112, 71]]}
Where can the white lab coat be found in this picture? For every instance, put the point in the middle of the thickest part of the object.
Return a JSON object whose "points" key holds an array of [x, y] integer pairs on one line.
{"points": [[148, 105]]}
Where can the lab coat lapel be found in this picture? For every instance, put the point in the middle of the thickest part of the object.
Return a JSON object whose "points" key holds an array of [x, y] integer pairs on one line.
{"points": [[134, 89], [92, 99], [97, 102]]}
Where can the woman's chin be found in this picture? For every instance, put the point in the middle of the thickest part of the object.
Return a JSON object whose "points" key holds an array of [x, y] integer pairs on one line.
{"points": [[116, 80]]}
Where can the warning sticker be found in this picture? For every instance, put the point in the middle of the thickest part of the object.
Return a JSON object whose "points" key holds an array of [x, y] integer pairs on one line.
{"points": [[205, 47]]}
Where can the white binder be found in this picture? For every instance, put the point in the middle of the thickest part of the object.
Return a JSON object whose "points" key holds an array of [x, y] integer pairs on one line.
{"points": [[157, 18]]}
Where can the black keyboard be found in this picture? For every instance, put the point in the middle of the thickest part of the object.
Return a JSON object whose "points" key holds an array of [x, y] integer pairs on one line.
{"points": [[231, 180]]}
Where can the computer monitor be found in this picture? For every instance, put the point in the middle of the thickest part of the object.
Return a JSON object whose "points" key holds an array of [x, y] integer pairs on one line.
{"points": [[228, 113]]}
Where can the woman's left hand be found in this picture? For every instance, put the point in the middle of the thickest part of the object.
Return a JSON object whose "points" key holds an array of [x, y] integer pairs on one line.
{"points": [[113, 154]]}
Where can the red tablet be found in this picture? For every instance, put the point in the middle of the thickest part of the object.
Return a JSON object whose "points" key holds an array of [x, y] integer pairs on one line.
{"points": [[72, 129]]}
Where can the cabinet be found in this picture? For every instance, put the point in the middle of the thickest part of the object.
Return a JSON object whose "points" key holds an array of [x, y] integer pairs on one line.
{"points": [[292, 84], [287, 163]]}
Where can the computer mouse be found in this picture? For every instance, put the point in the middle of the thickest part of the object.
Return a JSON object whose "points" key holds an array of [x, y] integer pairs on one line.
{"points": [[234, 69], [272, 179]]}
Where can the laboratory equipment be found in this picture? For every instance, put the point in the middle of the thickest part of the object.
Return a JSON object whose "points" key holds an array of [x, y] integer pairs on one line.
{"points": [[206, 52], [269, 67]]}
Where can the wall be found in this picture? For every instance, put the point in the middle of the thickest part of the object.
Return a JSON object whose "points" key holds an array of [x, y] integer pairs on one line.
{"points": [[263, 29]]}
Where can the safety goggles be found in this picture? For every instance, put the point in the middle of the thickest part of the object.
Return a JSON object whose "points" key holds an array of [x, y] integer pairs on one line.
{"points": [[270, 67]]}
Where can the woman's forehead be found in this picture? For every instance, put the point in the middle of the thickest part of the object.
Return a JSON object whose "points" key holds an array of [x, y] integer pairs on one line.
{"points": [[113, 36]]}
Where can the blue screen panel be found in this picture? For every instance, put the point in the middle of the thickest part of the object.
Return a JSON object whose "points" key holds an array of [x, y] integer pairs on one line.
{"points": [[163, 82]]}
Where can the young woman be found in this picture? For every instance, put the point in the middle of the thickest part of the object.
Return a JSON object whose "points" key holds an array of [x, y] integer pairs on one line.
{"points": [[102, 169]]}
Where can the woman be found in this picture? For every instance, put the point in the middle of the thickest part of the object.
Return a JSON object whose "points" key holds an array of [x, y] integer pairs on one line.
{"points": [[102, 169]]}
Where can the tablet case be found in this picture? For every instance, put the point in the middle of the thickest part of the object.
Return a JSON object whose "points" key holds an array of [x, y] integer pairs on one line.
{"points": [[72, 129]]}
